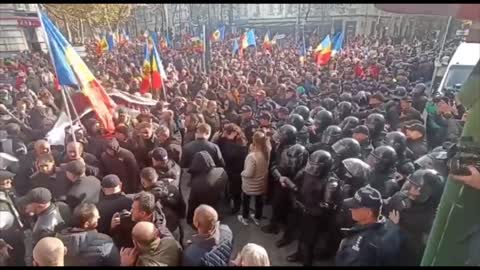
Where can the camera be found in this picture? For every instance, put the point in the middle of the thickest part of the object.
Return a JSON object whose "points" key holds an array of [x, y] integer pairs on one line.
{"points": [[463, 154], [125, 216]]}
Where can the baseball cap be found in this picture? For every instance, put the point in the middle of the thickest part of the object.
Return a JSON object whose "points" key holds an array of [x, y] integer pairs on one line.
{"points": [[111, 181], [361, 129], [38, 195], [417, 127], [4, 175], [366, 197], [159, 153], [245, 108]]}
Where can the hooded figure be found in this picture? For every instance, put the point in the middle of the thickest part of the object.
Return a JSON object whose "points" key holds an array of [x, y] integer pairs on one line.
{"points": [[207, 183], [121, 162]]}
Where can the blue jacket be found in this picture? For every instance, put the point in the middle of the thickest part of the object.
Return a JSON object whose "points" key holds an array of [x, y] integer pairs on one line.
{"points": [[213, 251]]}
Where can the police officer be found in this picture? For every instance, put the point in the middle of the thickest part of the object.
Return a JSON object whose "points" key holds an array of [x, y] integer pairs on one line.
{"points": [[376, 126], [11, 142], [11, 226], [343, 149], [298, 122], [348, 124], [330, 136], [367, 243], [361, 134], [287, 137], [317, 200], [342, 110], [384, 174], [423, 190], [398, 141], [304, 111], [321, 121]]}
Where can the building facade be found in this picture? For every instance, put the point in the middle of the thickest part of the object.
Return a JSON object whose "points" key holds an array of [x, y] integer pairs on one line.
{"points": [[20, 29]]}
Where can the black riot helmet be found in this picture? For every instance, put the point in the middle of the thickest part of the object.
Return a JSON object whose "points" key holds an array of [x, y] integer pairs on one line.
{"points": [[419, 90], [361, 99], [295, 159], [319, 164], [346, 96], [399, 93], [435, 160], [296, 120], [343, 110], [429, 185], [323, 119], [288, 134], [397, 140], [331, 135], [375, 123], [315, 110], [348, 124], [346, 148], [382, 159], [329, 104], [356, 173], [304, 111]]}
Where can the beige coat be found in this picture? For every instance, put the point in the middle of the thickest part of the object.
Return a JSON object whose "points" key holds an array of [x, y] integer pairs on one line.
{"points": [[255, 174]]}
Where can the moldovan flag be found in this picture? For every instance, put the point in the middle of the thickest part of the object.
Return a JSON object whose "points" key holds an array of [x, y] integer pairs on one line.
{"points": [[324, 44], [71, 71], [324, 55], [267, 44], [146, 79], [158, 72]]}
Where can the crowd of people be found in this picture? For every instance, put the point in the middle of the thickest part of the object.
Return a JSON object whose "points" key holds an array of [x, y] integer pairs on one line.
{"points": [[355, 144]]}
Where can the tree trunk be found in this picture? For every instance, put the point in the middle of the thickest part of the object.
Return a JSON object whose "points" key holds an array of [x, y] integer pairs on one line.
{"points": [[82, 32]]}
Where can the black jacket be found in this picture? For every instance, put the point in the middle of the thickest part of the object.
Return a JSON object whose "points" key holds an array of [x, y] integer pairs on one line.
{"points": [[234, 155], [88, 248], [85, 190], [125, 166], [207, 181], [47, 223], [109, 205], [418, 148], [198, 145], [173, 171], [56, 183], [174, 150], [172, 202]]}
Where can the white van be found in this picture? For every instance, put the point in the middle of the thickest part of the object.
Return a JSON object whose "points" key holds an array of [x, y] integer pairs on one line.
{"points": [[460, 66]]}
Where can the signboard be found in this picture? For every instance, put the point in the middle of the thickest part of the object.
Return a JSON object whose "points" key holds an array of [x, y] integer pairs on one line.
{"points": [[28, 22]]}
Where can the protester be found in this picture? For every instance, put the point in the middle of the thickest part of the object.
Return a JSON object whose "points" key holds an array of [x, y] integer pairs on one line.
{"points": [[85, 246], [252, 255], [213, 244], [49, 251]]}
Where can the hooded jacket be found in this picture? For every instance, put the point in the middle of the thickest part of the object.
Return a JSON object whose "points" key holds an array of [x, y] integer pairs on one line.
{"points": [[172, 171], [207, 182], [88, 248]]}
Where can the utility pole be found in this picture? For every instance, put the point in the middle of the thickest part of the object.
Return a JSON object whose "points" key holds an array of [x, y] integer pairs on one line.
{"points": [[439, 56]]}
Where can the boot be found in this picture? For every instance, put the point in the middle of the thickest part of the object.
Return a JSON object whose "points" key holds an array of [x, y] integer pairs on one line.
{"points": [[270, 228]]}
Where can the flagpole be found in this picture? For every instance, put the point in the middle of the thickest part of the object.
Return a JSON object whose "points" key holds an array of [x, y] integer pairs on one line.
{"points": [[204, 49], [67, 109]]}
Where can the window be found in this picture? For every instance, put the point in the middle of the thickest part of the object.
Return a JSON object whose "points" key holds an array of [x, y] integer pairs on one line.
{"points": [[457, 75], [271, 9], [20, 6]]}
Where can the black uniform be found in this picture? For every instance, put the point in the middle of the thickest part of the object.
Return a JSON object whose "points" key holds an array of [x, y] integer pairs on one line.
{"points": [[11, 228], [317, 201]]}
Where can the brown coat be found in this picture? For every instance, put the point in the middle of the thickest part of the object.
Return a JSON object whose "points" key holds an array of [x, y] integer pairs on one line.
{"points": [[161, 252]]}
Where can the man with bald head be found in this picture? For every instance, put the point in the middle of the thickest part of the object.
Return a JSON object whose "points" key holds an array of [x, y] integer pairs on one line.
{"points": [[75, 151], [150, 249], [213, 243], [49, 251]]}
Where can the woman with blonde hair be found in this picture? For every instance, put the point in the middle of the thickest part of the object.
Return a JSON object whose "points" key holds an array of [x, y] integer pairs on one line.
{"points": [[255, 177], [252, 255]]}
